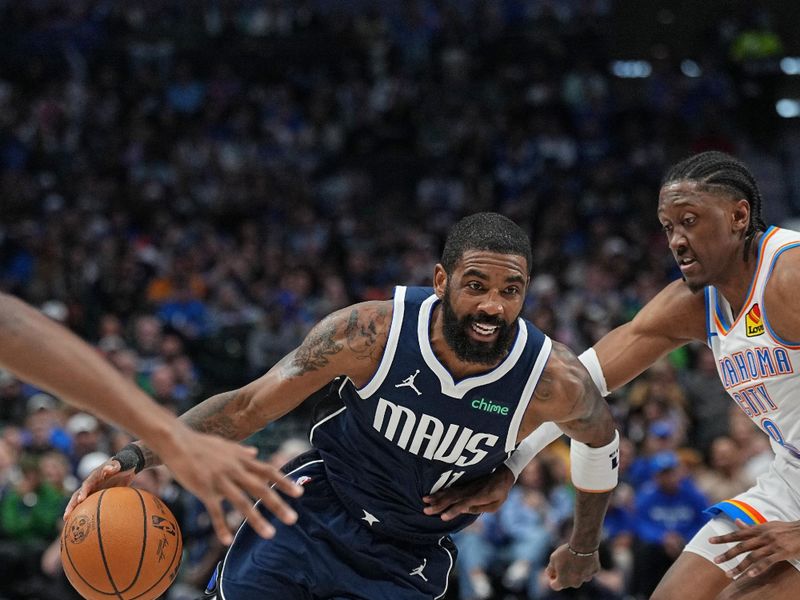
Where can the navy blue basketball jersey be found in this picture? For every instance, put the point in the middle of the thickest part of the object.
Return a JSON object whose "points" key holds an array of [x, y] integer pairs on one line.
{"points": [[412, 429]]}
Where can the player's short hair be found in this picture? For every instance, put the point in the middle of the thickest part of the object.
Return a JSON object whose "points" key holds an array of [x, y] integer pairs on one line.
{"points": [[485, 231], [721, 173]]}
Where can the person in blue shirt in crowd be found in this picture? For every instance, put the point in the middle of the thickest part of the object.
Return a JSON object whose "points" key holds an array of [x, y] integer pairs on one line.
{"points": [[669, 511]]}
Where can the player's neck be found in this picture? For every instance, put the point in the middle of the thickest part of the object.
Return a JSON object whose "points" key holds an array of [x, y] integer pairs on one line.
{"points": [[738, 278]]}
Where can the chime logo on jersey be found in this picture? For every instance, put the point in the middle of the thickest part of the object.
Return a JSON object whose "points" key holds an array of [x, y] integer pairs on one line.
{"points": [[754, 325]]}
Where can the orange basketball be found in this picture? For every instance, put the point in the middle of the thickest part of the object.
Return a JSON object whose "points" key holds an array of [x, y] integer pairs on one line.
{"points": [[121, 543]]}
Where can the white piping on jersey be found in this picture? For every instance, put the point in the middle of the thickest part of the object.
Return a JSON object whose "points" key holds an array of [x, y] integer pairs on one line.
{"points": [[328, 418], [391, 344], [450, 568], [527, 393], [225, 561], [449, 387]]}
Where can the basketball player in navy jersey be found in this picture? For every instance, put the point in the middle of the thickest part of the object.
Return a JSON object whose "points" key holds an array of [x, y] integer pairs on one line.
{"points": [[435, 388], [46, 354], [738, 295]]}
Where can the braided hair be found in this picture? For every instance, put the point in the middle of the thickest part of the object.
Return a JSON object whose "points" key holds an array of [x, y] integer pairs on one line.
{"points": [[718, 172]]}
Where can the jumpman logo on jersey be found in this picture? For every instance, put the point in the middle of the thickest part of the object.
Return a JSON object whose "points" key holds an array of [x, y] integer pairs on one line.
{"points": [[409, 382], [419, 569], [369, 518]]}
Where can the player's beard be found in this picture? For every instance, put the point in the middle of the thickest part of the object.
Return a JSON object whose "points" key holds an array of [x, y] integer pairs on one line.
{"points": [[456, 334]]}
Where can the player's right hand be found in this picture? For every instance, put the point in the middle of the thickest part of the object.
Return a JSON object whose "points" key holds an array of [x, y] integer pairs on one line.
{"points": [[105, 476]]}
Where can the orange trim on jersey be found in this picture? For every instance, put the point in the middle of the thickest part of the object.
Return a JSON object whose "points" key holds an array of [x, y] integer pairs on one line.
{"points": [[751, 292], [749, 510], [720, 327]]}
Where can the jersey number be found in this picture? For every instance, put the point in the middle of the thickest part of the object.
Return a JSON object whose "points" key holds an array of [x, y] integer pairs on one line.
{"points": [[447, 479]]}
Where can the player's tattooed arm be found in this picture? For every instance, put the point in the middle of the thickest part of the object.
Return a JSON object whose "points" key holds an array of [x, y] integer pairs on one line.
{"points": [[348, 342], [219, 415], [566, 394], [316, 350], [364, 328], [352, 335]]}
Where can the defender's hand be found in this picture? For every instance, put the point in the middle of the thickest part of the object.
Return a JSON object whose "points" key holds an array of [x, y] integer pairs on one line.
{"points": [[481, 495], [215, 469], [767, 543]]}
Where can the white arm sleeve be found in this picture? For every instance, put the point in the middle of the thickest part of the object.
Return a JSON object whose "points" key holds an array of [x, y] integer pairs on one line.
{"points": [[547, 433], [540, 438], [589, 360]]}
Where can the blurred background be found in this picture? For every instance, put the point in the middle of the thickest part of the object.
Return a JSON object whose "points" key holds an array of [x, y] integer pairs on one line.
{"points": [[190, 186]]}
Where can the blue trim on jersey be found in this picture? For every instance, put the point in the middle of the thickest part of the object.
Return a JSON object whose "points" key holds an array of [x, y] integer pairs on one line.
{"points": [[707, 307], [763, 308], [729, 510], [723, 318]]}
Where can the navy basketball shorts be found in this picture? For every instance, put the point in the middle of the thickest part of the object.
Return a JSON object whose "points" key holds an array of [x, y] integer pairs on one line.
{"points": [[329, 554]]}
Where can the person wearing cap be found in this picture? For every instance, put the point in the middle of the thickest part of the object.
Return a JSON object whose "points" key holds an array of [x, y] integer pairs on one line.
{"points": [[85, 433], [660, 437], [39, 350], [669, 511]]}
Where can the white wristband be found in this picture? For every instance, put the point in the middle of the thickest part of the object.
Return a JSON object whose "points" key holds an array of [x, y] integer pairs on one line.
{"points": [[594, 469], [589, 360], [540, 438]]}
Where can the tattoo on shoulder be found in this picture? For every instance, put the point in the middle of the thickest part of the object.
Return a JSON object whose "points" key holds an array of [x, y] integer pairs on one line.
{"points": [[545, 388], [316, 349], [362, 332]]}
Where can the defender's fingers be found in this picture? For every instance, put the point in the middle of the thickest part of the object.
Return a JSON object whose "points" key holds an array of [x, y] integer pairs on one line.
{"points": [[286, 485], [278, 507], [217, 516], [242, 503], [256, 488], [461, 508], [744, 532], [448, 502]]}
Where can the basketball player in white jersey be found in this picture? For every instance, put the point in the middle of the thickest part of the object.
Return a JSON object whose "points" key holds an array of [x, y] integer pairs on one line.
{"points": [[740, 294], [48, 355]]}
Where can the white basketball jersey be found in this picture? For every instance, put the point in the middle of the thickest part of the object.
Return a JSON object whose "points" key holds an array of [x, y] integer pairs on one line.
{"points": [[757, 367]]}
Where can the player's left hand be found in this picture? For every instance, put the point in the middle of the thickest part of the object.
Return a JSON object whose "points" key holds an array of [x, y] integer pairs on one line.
{"points": [[565, 570], [484, 494], [767, 543]]}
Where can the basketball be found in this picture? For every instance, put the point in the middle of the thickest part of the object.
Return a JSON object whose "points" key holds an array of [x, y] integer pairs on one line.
{"points": [[121, 543]]}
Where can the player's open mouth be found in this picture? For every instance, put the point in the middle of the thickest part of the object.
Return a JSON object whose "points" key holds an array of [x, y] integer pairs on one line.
{"points": [[686, 264], [483, 331]]}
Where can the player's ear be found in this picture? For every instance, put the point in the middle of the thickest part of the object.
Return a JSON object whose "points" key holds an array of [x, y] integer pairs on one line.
{"points": [[439, 280], [740, 217]]}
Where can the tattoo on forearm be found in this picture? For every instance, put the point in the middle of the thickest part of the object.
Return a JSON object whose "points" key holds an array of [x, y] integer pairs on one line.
{"points": [[212, 416], [315, 351], [362, 337]]}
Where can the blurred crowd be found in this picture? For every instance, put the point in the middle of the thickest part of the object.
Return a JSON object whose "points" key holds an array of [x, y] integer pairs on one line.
{"points": [[191, 186]]}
